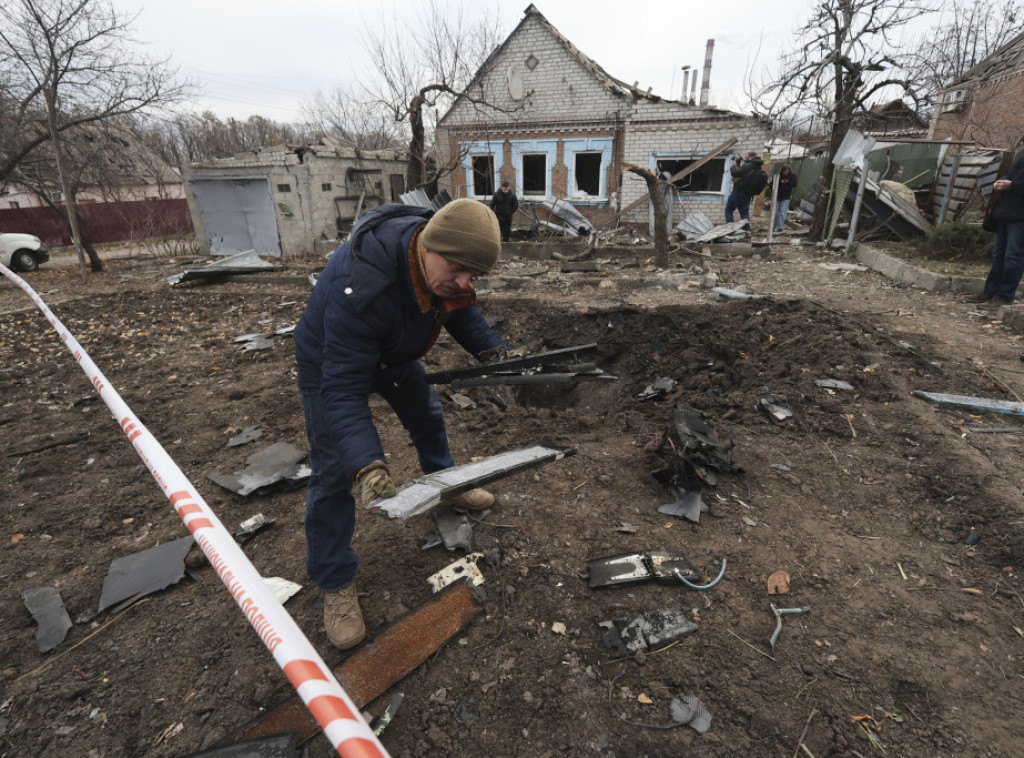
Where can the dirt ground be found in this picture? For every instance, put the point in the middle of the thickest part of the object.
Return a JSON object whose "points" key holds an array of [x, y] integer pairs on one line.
{"points": [[914, 642]]}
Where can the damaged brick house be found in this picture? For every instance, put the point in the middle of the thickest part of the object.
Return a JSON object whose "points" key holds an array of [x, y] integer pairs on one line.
{"points": [[289, 199], [557, 125], [984, 104]]}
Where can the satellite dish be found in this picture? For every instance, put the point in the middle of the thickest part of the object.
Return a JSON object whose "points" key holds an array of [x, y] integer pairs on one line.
{"points": [[515, 83]]}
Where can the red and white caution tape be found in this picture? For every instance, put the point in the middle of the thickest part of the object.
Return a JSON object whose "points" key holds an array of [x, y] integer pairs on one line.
{"points": [[312, 679]]}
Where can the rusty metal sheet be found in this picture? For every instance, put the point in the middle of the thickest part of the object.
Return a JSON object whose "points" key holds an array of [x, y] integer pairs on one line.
{"points": [[382, 663]]}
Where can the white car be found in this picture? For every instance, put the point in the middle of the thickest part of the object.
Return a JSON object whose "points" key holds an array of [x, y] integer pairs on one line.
{"points": [[22, 252]]}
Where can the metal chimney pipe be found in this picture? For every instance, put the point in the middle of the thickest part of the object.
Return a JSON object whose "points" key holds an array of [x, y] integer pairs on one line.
{"points": [[705, 88], [686, 82], [693, 91]]}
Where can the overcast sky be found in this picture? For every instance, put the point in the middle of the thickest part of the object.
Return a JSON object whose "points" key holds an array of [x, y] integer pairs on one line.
{"points": [[261, 57]]}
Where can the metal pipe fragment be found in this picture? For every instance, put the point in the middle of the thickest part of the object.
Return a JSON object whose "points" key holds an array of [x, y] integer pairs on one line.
{"points": [[693, 586], [777, 612]]}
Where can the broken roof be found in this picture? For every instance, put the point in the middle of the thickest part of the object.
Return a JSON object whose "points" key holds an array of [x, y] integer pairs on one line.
{"points": [[1003, 63], [616, 86]]}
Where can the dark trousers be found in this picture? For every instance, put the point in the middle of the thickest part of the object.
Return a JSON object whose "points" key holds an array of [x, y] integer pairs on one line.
{"points": [[1007, 261], [738, 201], [330, 506], [505, 224]]}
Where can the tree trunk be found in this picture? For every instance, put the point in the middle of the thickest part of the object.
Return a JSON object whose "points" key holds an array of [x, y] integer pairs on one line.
{"points": [[94, 258], [415, 173], [657, 199]]}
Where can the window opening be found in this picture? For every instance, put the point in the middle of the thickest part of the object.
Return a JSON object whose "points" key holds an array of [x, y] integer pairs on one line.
{"points": [[708, 178], [284, 188], [588, 173], [535, 174], [483, 175], [326, 186]]}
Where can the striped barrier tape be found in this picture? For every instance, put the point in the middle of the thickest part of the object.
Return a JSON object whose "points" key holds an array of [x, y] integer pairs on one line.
{"points": [[314, 682]]}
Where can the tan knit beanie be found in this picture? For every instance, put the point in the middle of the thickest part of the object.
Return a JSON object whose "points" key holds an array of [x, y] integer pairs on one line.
{"points": [[466, 233]]}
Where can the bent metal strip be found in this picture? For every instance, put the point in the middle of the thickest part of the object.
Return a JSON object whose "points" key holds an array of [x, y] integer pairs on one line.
{"points": [[309, 675]]}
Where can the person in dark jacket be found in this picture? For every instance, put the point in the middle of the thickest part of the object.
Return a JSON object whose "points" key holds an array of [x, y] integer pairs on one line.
{"points": [[376, 310], [505, 204], [787, 183], [748, 179], [1008, 248]]}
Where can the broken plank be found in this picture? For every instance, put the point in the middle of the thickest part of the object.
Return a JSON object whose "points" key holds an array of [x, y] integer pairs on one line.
{"points": [[379, 665]]}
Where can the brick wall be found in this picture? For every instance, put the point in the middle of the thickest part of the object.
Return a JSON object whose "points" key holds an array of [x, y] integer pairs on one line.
{"points": [[992, 116]]}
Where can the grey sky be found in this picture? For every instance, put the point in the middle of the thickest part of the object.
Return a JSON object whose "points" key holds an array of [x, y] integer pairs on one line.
{"points": [[264, 57]]}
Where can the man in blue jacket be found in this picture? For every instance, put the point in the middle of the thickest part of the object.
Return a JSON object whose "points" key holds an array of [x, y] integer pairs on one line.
{"points": [[376, 310]]}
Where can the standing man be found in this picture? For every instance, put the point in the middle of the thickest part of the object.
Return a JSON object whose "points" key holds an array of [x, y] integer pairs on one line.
{"points": [[505, 204], [1008, 249], [748, 179], [376, 310], [787, 183]]}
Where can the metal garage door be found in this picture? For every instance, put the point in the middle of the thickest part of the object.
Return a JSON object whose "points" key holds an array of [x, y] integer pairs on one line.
{"points": [[237, 215]]}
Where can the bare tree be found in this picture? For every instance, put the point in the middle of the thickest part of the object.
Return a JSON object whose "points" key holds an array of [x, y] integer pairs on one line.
{"points": [[966, 34], [191, 137], [846, 54], [339, 113], [655, 188], [64, 63], [422, 65]]}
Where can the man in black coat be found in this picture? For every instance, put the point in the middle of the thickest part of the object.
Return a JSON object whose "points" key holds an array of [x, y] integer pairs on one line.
{"points": [[1008, 248], [505, 204], [748, 180]]}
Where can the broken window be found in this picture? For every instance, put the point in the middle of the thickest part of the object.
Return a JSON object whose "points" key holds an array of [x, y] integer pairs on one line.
{"points": [[284, 188], [483, 175], [535, 171], [708, 178], [326, 186], [588, 173]]}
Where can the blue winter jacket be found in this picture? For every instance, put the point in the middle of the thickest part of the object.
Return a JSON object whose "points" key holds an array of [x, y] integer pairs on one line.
{"points": [[363, 326]]}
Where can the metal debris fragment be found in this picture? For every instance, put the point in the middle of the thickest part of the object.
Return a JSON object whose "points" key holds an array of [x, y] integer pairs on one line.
{"points": [[688, 504], [464, 568], [428, 491], [279, 462], [244, 437], [694, 225], [633, 568], [974, 403], [735, 229], [689, 710], [51, 617], [649, 631], [380, 723], [778, 614], [240, 263], [833, 384], [775, 412], [137, 575], [734, 294], [248, 528], [658, 389], [282, 589]]}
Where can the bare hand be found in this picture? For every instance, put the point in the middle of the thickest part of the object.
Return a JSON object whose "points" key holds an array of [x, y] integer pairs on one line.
{"points": [[1002, 185]]}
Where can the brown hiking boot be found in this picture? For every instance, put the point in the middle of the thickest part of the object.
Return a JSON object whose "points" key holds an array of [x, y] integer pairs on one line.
{"points": [[995, 304], [979, 297], [343, 619], [474, 500]]}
